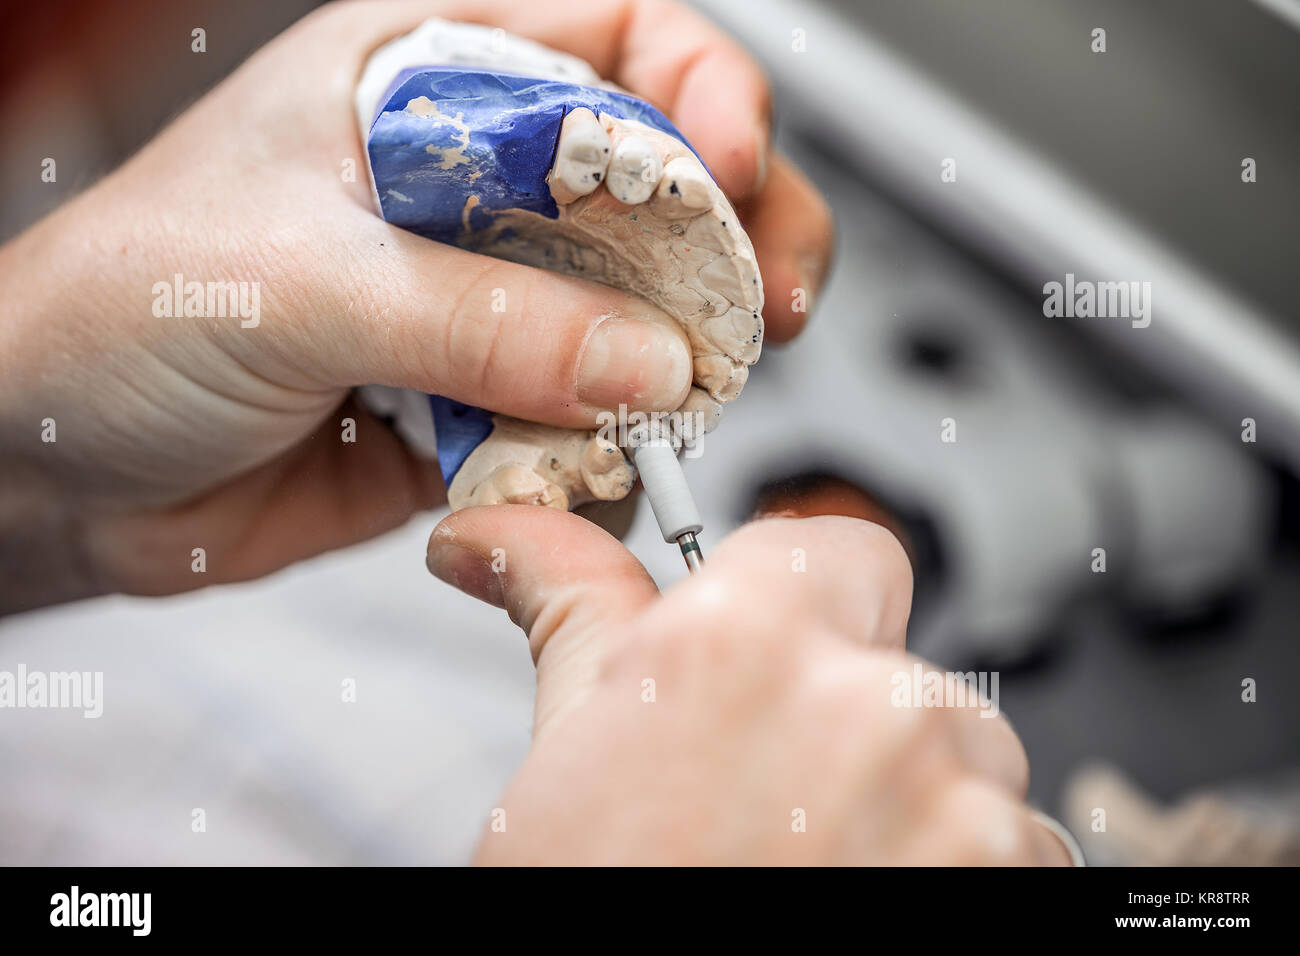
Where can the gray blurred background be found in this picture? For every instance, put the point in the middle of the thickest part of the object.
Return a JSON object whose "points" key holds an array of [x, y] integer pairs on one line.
{"points": [[1072, 435]]}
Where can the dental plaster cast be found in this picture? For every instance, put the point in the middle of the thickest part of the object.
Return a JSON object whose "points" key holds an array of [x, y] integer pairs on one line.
{"points": [[507, 148]]}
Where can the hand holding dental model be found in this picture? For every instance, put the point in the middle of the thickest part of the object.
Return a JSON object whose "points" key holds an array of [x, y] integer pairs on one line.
{"points": [[517, 165], [176, 432]]}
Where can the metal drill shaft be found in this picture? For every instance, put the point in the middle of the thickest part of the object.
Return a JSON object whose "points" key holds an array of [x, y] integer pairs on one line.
{"points": [[691, 551]]}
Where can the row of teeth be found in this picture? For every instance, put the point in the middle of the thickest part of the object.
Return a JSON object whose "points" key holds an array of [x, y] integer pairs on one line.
{"points": [[632, 174], [726, 342]]}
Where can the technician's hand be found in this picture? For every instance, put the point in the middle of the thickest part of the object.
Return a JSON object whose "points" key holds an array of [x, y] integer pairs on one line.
{"points": [[744, 716], [181, 433]]}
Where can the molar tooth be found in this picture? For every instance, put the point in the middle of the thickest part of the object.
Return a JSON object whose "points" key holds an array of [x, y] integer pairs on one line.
{"points": [[684, 190], [634, 171], [581, 158]]}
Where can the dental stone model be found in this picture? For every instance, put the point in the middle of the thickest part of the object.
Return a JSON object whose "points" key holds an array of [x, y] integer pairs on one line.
{"points": [[505, 147]]}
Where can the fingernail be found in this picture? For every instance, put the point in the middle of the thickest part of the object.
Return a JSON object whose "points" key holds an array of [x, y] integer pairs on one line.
{"points": [[643, 363], [466, 571]]}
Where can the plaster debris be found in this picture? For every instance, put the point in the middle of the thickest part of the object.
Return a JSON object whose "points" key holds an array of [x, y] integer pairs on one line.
{"points": [[448, 158]]}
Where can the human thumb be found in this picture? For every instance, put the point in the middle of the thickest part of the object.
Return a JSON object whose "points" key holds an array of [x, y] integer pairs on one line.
{"points": [[567, 583]]}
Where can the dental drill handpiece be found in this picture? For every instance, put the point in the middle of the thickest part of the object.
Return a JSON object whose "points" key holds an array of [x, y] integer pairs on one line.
{"points": [[654, 452]]}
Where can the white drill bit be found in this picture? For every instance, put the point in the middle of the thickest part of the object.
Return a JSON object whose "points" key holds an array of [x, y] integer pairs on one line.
{"points": [[654, 452]]}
